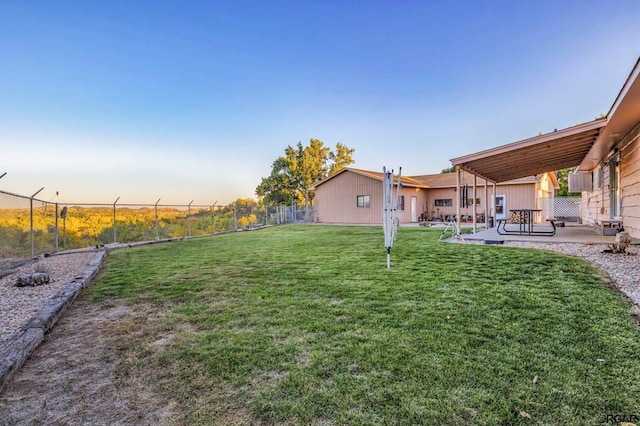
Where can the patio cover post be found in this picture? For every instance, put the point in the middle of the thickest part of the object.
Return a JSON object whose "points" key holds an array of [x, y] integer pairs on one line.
{"points": [[475, 211], [458, 198], [493, 208], [486, 204]]}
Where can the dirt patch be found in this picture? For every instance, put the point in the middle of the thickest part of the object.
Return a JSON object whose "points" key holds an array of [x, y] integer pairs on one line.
{"points": [[72, 377]]}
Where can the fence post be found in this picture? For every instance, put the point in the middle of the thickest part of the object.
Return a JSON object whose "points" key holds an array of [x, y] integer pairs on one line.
{"points": [[157, 224], [31, 218], [213, 215], [114, 220], [235, 216], [57, 232], [189, 217]]}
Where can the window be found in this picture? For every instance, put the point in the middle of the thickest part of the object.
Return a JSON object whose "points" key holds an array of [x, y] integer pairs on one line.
{"points": [[363, 200], [401, 203], [448, 202]]}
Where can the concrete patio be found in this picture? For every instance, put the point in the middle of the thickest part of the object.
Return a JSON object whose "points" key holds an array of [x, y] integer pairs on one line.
{"points": [[571, 233]]}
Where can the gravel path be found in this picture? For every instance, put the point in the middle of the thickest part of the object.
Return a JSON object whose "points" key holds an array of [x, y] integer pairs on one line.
{"points": [[19, 304]]}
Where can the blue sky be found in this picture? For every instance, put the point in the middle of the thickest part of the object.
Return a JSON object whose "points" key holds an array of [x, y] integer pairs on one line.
{"points": [[194, 100]]}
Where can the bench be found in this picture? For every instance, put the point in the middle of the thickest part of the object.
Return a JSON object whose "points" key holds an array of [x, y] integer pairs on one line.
{"points": [[529, 230]]}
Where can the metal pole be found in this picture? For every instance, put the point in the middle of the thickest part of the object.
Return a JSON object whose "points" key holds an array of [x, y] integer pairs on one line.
{"points": [[3, 175], [157, 224], [189, 217], [31, 216], [114, 220], [57, 233]]}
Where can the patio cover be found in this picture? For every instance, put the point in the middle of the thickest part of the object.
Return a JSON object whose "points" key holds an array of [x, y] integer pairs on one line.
{"points": [[552, 151]]}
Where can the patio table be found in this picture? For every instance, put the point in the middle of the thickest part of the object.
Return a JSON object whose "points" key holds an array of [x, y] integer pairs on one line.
{"points": [[524, 219]]}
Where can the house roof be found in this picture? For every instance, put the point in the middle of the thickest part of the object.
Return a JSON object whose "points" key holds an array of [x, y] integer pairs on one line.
{"points": [[404, 180], [584, 145], [552, 151]]}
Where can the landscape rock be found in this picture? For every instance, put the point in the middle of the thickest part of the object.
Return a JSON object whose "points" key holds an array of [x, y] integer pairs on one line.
{"points": [[32, 280]]}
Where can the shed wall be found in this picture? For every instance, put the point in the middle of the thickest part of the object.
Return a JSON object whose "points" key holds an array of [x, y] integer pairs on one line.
{"points": [[336, 200]]}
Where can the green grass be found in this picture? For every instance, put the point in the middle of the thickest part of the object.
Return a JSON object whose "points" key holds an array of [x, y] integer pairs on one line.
{"points": [[305, 325]]}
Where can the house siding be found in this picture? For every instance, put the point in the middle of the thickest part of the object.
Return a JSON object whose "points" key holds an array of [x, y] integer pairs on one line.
{"points": [[597, 205], [630, 182]]}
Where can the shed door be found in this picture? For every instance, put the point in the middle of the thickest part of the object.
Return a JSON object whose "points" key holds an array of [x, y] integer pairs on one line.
{"points": [[500, 205], [414, 209]]}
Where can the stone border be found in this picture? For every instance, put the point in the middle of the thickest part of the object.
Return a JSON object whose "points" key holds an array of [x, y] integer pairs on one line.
{"points": [[15, 352]]}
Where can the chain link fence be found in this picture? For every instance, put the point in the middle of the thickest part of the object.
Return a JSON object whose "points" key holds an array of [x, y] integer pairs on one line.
{"points": [[29, 226]]}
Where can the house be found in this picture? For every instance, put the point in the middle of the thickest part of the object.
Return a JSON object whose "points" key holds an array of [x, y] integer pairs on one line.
{"points": [[605, 153], [355, 196], [532, 192]]}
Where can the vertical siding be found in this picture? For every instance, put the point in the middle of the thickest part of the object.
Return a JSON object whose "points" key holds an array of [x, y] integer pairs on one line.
{"points": [[421, 195], [336, 200], [519, 196]]}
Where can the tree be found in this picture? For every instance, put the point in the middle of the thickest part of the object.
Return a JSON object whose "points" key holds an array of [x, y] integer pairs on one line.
{"points": [[299, 169], [277, 187], [449, 169]]}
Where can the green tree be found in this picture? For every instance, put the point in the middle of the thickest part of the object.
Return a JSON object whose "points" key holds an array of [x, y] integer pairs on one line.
{"points": [[277, 187], [299, 169]]}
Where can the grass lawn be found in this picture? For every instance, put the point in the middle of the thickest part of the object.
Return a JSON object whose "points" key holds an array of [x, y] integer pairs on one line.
{"points": [[304, 325]]}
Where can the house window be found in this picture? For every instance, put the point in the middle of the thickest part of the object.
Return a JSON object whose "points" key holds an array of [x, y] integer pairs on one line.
{"points": [[448, 202], [401, 203], [363, 200]]}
